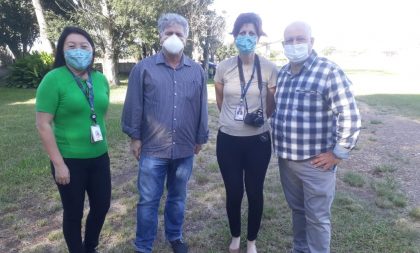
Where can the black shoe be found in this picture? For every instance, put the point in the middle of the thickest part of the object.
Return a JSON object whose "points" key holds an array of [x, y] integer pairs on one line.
{"points": [[178, 246]]}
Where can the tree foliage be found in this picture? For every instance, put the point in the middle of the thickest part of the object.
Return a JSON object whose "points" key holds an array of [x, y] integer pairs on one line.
{"points": [[120, 28], [18, 26], [226, 51]]}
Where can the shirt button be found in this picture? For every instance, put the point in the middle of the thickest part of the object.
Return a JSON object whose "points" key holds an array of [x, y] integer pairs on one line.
{"points": [[175, 93], [174, 106], [173, 143], [174, 130], [174, 118], [174, 81]]}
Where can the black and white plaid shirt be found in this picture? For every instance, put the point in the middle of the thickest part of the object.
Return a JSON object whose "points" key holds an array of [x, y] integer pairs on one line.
{"points": [[315, 111]]}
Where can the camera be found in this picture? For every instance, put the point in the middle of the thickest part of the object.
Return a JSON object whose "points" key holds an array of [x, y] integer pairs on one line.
{"points": [[255, 118]]}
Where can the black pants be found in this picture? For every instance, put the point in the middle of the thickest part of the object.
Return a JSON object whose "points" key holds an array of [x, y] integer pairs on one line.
{"points": [[244, 159], [92, 176]]}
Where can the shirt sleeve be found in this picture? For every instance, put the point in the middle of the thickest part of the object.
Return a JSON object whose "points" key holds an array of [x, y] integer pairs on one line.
{"points": [[203, 130], [343, 105], [131, 120], [47, 95]]}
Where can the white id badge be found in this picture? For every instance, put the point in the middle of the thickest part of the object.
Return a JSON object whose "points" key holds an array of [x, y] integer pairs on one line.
{"points": [[96, 134], [240, 112]]}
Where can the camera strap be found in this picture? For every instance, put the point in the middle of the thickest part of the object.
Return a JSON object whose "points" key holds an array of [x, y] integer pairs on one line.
{"points": [[244, 88]]}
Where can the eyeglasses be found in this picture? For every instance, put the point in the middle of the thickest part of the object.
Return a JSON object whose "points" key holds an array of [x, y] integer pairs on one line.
{"points": [[295, 40]]}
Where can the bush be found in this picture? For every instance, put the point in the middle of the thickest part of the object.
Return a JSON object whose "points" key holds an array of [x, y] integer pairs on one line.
{"points": [[28, 71]]}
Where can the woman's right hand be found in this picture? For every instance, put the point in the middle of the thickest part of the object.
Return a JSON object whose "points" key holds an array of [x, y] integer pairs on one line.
{"points": [[62, 174]]}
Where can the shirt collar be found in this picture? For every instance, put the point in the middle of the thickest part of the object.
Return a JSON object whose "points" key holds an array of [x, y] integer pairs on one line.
{"points": [[160, 59]]}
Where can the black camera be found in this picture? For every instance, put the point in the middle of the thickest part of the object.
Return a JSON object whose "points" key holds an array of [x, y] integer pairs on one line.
{"points": [[255, 118]]}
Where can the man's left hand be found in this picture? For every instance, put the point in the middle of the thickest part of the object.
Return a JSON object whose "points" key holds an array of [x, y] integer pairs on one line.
{"points": [[197, 149], [325, 160]]}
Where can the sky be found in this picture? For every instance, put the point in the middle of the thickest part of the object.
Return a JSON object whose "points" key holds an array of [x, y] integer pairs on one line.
{"points": [[347, 25]]}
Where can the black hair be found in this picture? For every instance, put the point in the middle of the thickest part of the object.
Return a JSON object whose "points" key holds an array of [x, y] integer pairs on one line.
{"points": [[59, 53], [246, 18]]}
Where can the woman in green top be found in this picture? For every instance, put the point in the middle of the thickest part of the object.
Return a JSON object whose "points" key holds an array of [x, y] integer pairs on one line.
{"points": [[71, 104]]}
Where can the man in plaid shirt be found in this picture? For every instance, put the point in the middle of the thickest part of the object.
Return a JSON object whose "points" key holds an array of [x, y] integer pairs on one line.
{"points": [[315, 126]]}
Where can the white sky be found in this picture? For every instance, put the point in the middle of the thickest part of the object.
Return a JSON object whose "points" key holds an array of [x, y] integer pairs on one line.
{"points": [[353, 25]]}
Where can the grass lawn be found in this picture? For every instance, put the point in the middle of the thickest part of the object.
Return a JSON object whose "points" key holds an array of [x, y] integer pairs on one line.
{"points": [[404, 104], [30, 208]]}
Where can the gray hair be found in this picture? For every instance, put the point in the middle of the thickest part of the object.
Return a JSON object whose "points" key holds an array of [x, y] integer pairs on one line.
{"points": [[302, 24], [169, 19]]}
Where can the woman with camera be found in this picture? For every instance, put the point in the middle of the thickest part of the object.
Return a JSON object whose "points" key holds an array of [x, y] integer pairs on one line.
{"points": [[245, 86]]}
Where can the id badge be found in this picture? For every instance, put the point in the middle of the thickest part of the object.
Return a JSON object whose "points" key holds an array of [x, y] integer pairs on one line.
{"points": [[240, 112], [96, 134]]}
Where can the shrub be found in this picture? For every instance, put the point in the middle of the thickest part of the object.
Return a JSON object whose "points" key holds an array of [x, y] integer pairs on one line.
{"points": [[28, 71]]}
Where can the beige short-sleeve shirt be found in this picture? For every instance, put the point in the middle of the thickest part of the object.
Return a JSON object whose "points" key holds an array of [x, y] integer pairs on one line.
{"points": [[227, 74]]}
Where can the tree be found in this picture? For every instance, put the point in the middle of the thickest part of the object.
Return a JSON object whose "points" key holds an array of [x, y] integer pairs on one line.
{"points": [[18, 29], [226, 51], [39, 12], [113, 24], [127, 27], [210, 41]]}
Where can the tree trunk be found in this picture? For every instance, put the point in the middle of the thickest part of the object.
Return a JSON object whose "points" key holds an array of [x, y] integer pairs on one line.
{"points": [[46, 43], [109, 67], [110, 62]]}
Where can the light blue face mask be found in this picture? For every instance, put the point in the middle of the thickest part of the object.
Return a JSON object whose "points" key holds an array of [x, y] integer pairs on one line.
{"points": [[78, 58], [246, 43]]}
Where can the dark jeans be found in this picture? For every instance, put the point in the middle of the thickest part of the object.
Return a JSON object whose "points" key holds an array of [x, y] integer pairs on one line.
{"points": [[92, 176], [244, 159]]}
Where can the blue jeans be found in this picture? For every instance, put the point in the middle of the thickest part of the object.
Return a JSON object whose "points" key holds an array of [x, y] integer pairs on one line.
{"points": [[151, 179], [309, 191]]}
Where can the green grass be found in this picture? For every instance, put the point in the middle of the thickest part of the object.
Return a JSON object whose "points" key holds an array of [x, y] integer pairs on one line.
{"points": [[406, 105], [388, 193], [376, 122], [384, 168], [354, 179], [30, 205], [415, 213], [368, 71]]}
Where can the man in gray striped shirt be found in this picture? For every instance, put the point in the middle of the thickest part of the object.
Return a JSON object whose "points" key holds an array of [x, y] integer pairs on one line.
{"points": [[165, 115]]}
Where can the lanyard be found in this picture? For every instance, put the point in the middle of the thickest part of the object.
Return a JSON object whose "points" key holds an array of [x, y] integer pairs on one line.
{"points": [[88, 92], [244, 88], [242, 79]]}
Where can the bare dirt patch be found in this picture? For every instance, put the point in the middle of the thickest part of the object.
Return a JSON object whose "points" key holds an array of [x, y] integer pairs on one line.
{"points": [[388, 140]]}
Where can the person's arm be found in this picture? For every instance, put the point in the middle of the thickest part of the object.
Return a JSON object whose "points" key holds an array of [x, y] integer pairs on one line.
{"points": [[43, 124], [343, 105], [271, 90], [219, 94], [135, 147], [203, 130], [131, 119], [270, 101]]}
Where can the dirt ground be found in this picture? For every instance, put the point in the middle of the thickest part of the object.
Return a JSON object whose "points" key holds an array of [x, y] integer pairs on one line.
{"points": [[389, 140]]}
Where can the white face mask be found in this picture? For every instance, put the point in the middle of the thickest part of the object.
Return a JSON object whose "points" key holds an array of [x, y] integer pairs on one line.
{"points": [[173, 44], [297, 53]]}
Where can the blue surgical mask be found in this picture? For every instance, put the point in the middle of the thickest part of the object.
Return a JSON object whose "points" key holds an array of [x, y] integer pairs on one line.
{"points": [[78, 58], [246, 43]]}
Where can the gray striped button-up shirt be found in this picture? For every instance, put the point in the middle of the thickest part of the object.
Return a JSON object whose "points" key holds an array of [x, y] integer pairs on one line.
{"points": [[166, 108]]}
